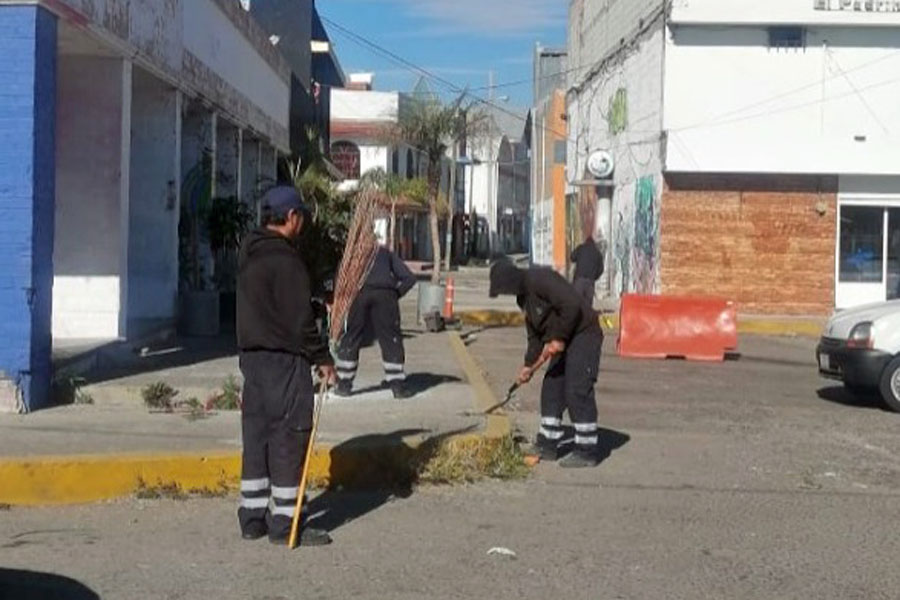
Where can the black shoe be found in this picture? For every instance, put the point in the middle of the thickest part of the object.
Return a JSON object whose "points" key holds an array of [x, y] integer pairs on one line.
{"points": [[545, 449], [254, 530], [308, 537], [344, 389], [400, 391], [579, 459]]}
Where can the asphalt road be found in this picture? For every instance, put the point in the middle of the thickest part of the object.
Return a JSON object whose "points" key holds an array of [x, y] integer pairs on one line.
{"points": [[748, 479]]}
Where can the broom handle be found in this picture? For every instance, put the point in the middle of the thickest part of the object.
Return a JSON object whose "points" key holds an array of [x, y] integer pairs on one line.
{"points": [[301, 491]]}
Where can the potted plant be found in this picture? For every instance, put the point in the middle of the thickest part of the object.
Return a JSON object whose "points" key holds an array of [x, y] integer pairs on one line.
{"points": [[198, 313]]}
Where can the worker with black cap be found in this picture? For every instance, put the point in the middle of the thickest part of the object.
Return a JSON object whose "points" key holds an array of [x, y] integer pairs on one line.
{"points": [[562, 326], [279, 344], [588, 268], [378, 306]]}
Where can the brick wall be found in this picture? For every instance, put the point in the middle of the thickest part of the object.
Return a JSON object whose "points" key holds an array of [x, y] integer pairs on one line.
{"points": [[27, 176], [765, 242]]}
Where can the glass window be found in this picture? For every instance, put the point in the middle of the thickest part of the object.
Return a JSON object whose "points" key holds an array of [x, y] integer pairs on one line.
{"points": [[893, 266], [787, 37], [345, 156], [862, 244]]}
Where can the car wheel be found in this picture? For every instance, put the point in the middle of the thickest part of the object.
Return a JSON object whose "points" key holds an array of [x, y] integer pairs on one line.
{"points": [[890, 384]]}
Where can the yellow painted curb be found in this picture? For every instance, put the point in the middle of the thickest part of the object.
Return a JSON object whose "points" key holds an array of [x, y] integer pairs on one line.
{"points": [[497, 425], [366, 461], [53, 480], [492, 318], [746, 325], [800, 328]]}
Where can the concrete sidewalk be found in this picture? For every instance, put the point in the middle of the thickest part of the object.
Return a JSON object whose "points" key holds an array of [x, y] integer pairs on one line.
{"points": [[89, 452]]}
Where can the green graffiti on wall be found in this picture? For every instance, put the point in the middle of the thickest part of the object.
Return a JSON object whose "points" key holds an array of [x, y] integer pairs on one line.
{"points": [[618, 111], [646, 236]]}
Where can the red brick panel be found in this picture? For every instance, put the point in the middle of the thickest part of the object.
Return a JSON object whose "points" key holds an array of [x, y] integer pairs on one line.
{"points": [[772, 252]]}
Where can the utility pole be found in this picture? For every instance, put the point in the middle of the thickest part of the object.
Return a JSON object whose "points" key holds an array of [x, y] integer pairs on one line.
{"points": [[451, 205], [491, 202]]}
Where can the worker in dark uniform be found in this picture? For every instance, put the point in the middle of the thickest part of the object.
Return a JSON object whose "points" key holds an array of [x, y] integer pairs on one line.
{"points": [[378, 304], [588, 268], [279, 344], [563, 327]]}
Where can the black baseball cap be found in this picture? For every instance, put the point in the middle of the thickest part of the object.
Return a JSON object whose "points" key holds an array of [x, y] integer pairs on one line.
{"points": [[282, 199]]}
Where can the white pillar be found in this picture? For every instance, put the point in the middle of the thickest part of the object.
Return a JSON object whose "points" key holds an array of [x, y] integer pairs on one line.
{"points": [[125, 196]]}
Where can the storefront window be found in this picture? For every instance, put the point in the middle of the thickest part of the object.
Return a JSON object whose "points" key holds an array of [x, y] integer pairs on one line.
{"points": [[893, 266], [862, 244]]}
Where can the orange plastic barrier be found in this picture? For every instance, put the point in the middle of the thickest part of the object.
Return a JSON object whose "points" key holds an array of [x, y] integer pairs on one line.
{"points": [[692, 327]]}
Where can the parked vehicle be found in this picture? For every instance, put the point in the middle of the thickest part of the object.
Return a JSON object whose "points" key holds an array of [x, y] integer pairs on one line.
{"points": [[861, 348]]}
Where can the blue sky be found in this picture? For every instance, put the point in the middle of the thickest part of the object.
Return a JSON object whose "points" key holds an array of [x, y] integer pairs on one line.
{"points": [[458, 40]]}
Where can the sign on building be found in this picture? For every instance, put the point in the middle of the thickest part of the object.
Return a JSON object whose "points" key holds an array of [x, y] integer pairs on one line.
{"points": [[887, 6]]}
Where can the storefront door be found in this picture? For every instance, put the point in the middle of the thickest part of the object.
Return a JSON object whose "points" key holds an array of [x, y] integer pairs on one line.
{"points": [[868, 268]]}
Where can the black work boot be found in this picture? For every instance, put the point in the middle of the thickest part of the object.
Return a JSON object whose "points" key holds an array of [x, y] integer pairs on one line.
{"points": [[253, 530], [401, 391], [308, 537], [344, 388], [580, 458], [545, 448]]}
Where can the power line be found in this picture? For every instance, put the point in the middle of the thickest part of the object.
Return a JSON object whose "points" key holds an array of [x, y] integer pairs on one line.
{"points": [[530, 80], [855, 91], [715, 120], [399, 60]]}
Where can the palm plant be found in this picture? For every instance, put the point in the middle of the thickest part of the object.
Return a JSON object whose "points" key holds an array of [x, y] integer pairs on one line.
{"points": [[430, 126], [396, 189]]}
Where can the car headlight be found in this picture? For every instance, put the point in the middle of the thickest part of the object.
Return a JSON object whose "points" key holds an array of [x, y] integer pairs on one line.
{"points": [[861, 336]]}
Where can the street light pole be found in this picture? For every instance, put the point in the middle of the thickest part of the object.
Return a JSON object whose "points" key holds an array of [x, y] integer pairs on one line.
{"points": [[451, 205]]}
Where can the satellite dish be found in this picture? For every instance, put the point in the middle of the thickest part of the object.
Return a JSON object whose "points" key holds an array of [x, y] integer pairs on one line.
{"points": [[600, 164]]}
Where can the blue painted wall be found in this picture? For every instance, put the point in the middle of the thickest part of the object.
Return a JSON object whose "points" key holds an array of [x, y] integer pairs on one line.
{"points": [[27, 178]]}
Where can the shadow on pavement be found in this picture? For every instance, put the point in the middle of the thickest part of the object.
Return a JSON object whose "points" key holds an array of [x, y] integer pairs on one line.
{"points": [[34, 585], [119, 360], [610, 441], [858, 399], [390, 475], [415, 382]]}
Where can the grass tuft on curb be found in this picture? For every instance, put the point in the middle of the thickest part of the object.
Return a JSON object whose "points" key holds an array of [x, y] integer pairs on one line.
{"points": [[174, 491], [468, 460]]}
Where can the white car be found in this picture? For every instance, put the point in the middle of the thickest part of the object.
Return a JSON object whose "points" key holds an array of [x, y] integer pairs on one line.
{"points": [[861, 347]]}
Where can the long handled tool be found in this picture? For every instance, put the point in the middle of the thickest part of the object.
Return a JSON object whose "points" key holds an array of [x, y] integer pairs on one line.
{"points": [[301, 492], [515, 386]]}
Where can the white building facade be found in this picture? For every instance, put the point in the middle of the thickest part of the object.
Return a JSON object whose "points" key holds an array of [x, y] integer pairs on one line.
{"points": [[497, 188], [756, 147], [361, 123], [112, 105]]}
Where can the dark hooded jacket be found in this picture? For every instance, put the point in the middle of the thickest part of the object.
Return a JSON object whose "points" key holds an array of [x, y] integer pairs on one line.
{"points": [[553, 309], [389, 272], [588, 261], [274, 304]]}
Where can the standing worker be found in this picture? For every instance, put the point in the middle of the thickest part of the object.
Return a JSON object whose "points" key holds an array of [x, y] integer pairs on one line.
{"points": [[565, 329], [588, 268], [378, 303], [279, 343]]}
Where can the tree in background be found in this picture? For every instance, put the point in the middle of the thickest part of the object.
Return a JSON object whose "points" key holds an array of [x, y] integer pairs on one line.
{"points": [[396, 189], [431, 127], [326, 235]]}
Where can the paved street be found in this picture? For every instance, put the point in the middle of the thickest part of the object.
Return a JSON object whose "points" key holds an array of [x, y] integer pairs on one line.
{"points": [[748, 479]]}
